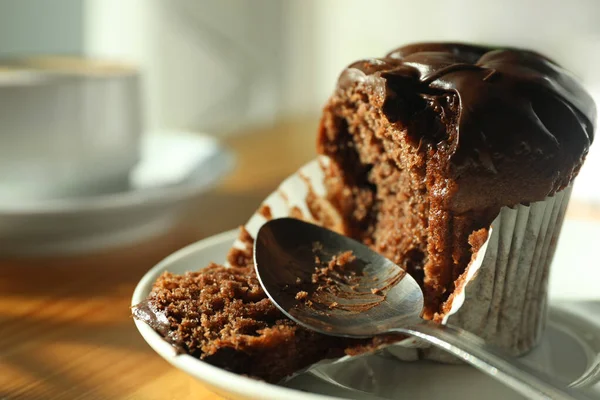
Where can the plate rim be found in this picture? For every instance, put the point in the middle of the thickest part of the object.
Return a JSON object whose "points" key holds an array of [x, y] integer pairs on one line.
{"points": [[243, 386]]}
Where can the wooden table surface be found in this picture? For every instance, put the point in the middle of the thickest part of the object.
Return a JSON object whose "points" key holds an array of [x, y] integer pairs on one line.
{"points": [[65, 325]]}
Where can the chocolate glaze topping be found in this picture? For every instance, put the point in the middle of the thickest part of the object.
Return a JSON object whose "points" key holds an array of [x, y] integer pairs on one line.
{"points": [[505, 120]]}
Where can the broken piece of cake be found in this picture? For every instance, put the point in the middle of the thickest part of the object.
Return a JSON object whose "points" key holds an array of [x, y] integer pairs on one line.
{"points": [[438, 154]]}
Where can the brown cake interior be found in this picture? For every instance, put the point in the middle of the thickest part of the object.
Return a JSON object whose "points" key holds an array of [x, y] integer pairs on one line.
{"points": [[393, 191], [222, 315]]}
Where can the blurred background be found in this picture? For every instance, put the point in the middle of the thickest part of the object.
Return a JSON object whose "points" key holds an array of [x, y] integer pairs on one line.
{"points": [[225, 67], [265, 67], [220, 66]]}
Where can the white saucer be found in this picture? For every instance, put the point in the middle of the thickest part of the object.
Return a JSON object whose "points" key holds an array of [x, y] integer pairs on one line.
{"points": [[174, 167], [570, 348]]}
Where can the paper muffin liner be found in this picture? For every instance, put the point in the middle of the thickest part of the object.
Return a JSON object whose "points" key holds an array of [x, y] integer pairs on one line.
{"points": [[503, 296], [504, 299]]}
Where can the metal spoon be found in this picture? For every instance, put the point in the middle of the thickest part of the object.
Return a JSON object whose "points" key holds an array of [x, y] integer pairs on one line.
{"points": [[372, 297]]}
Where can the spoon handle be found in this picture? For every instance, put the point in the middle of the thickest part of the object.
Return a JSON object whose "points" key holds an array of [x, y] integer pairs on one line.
{"points": [[488, 359]]}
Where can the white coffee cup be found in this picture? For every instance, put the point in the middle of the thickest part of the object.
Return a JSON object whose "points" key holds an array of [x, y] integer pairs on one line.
{"points": [[68, 127]]}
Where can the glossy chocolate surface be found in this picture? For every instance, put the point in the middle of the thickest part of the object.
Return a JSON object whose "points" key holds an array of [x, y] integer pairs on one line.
{"points": [[505, 118]]}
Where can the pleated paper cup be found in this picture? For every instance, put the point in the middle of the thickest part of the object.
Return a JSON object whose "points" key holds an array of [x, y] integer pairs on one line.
{"points": [[503, 294]]}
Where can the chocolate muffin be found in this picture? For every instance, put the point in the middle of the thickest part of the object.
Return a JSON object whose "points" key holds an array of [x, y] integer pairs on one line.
{"points": [[430, 142], [455, 161]]}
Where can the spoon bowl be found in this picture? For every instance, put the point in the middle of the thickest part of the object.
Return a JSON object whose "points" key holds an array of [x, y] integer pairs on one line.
{"points": [[378, 296]]}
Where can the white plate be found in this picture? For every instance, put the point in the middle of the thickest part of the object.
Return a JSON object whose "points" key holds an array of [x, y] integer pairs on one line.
{"points": [[174, 167], [569, 349]]}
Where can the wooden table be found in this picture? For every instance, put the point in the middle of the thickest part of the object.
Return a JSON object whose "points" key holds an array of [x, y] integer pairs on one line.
{"points": [[65, 325]]}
